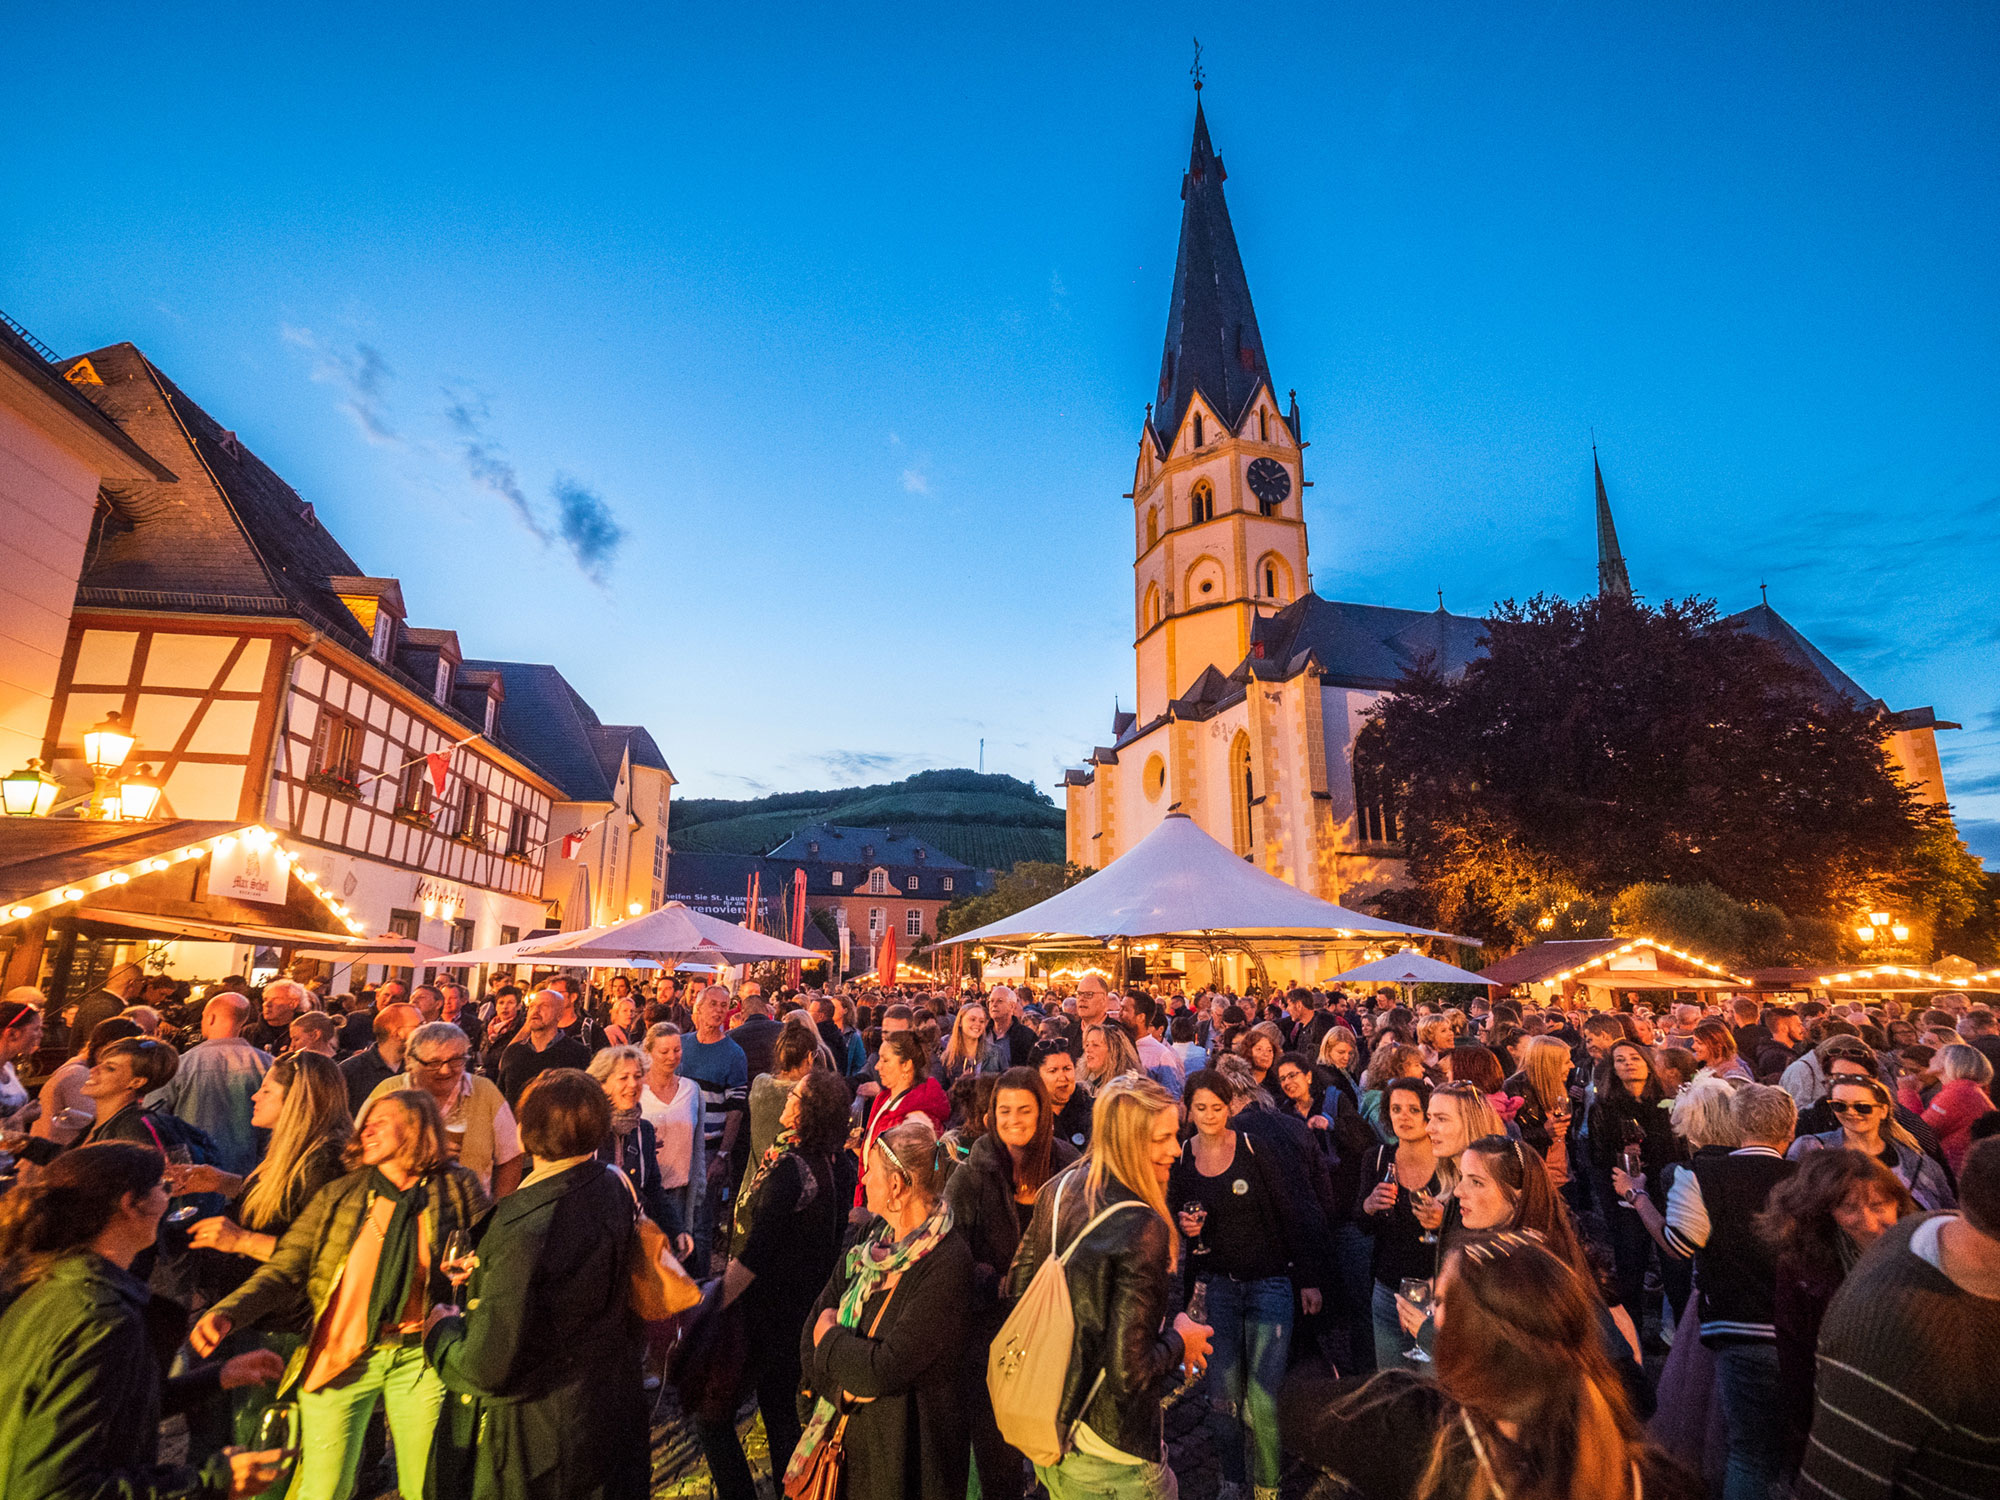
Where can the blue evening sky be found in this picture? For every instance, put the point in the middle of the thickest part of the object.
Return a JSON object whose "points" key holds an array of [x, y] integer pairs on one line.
{"points": [[776, 371]]}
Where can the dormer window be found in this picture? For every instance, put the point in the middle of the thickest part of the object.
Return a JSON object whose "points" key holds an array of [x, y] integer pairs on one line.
{"points": [[867, 851], [813, 848], [878, 882], [947, 882], [492, 713], [920, 856], [442, 690], [913, 882], [385, 635], [840, 877]]}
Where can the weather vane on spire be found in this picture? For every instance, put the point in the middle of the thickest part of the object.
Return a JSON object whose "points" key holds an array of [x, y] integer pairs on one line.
{"points": [[1195, 72]]}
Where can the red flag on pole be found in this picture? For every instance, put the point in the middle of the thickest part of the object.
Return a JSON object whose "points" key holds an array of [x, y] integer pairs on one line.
{"points": [[798, 927], [573, 842], [440, 763], [886, 974]]}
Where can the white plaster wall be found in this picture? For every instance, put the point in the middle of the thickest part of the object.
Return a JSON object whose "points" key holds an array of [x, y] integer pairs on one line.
{"points": [[46, 499]]}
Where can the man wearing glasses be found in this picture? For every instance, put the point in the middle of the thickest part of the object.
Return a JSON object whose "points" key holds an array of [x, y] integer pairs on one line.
{"points": [[478, 1124]]}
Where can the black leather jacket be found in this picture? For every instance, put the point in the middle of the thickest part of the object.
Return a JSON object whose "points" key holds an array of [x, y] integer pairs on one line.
{"points": [[1118, 1296]]}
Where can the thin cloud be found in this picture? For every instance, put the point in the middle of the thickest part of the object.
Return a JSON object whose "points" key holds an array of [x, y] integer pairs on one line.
{"points": [[591, 532], [916, 482], [467, 414], [360, 374]]}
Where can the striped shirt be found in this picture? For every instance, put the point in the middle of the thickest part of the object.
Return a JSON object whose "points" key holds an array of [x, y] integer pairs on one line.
{"points": [[1907, 1407]]}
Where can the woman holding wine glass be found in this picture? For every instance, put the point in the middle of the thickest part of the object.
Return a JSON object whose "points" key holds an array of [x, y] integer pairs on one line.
{"points": [[1396, 1174], [364, 1257], [1256, 1251], [548, 1351]]}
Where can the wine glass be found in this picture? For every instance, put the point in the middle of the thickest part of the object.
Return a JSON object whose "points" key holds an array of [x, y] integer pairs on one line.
{"points": [[185, 1214], [279, 1427], [457, 1263], [179, 1158], [1195, 1209], [1420, 1198], [1417, 1292]]}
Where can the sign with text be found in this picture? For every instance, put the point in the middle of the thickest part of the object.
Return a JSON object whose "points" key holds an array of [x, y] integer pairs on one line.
{"points": [[248, 872]]}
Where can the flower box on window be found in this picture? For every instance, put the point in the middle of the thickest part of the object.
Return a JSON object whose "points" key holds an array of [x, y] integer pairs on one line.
{"points": [[416, 817], [334, 785]]}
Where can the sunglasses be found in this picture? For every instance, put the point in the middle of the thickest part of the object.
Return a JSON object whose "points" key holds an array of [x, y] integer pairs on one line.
{"points": [[1861, 1110]]}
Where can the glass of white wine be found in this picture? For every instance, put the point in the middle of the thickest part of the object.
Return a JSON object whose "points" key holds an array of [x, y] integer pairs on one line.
{"points": [[458, 1263], [1417, 1292]]}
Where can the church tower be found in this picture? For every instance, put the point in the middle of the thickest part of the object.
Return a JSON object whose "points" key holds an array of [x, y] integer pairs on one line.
{"points": [[1219, 533]]}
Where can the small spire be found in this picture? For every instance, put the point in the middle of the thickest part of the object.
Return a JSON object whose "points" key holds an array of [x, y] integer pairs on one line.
{"points": [[1612, 580], [1440, 601], [1764, 592], [1195, 72]]}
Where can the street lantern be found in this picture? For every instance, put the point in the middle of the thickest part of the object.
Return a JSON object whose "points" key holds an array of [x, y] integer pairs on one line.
{"points": [[139, 796], [29, 792], [106, 746]]}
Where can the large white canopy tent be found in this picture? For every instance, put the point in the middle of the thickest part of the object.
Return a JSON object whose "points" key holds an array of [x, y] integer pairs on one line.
{"points": [[1180, 888]]}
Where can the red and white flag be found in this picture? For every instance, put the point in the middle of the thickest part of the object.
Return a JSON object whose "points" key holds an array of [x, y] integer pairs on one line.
{"points": [[439, 762], [573, 843]]}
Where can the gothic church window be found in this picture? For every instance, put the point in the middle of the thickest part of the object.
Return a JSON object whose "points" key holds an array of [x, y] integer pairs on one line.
{"points": [[1203, 504], [1197, 429], [1152, 526], [1263, 425], [1242, 793], [1377, 818]]}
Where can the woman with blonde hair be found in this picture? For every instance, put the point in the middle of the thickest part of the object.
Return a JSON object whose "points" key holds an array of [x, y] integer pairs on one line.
{"points": [[1123, 1357], [366, 1258], [1548, 1103], [1525, 1404], [1108, 1053], [972, 1048]]}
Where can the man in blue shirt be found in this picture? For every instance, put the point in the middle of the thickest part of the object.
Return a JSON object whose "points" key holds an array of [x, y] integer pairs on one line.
{"points": [[212, 1087], [718, 1066]]}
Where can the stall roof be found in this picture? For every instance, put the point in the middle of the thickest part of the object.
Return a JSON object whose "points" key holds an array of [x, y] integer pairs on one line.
{"points": [[42, 854], [1566, 958]]}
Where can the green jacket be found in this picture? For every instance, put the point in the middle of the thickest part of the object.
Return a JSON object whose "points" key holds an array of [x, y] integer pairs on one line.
{"points": [[80, 1393], [308, 1260]]}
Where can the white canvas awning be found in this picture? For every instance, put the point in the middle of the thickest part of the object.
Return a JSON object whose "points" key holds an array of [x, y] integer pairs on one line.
{"points": [[1179, 885], [1407, 967], [673, 932]]}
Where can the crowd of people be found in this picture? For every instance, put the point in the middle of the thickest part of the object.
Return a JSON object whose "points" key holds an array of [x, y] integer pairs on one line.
{"points": [[1485, 1248]]}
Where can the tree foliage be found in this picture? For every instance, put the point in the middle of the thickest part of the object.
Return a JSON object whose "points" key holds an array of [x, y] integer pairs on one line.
{"points": [[1600, 745], [1020, 888]]}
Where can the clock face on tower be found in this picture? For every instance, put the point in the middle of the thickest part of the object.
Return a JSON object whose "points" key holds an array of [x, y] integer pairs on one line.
{"points": [[1268, 481]]}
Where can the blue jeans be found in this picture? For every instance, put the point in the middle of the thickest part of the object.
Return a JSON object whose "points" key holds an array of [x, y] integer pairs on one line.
{"points": [[1746, 1383], [1253, 1340], [1352, 1251], [1390, 1340], [1081, 1477]]}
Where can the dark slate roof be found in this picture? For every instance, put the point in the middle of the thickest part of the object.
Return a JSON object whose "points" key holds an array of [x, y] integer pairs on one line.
{"points": [[1765, 622], [228, 535], [28, 356], [1212, 341], [1366, 645], [612, 741], [547, 721], [840, 845]]}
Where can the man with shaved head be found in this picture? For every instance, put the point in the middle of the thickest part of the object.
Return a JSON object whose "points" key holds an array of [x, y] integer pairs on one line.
{"points": [[212, 1087], [368, 1067], [542, 1045]]}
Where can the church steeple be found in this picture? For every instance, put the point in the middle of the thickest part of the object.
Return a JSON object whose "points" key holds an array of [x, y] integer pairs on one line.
{"points": [[1612, 581], [1212, 341]]}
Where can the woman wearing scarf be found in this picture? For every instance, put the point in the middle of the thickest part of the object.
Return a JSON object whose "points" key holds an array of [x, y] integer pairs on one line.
{"points": [[882, 1354], [630, 1144], [907, 1093], [363, 1257], [788, 1221], [545, 1367]]}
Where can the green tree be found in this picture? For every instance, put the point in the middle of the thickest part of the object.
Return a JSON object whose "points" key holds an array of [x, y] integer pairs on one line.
{"points": [[1028, 882], [1600, 745]]}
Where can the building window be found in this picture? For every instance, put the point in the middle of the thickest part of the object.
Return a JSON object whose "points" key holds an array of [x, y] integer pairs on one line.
{"points": [[472, 820], [877, 920], [913, 882], [1242, 793], [1203, 508], [913, 922], [442, 689], [385, 634], [1152, 526], [878, 882], [1270, 582], [460, 939], [813, 848], [839, 877], [840, 918], [415, 792], [659, 859], [517, 832], [1263, 425], [1197, 429], [403, 924], [510, 935], [492, 713], [336, 747], [1377, 818], [947, 882]]}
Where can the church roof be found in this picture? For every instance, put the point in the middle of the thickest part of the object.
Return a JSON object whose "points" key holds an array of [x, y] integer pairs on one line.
{"points": [[1366, 645], [1613, 582], [1767, 623], [1212, 341]]}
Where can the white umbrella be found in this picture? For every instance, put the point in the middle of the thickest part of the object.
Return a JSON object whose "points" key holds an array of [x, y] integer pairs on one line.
{"points": [[1408, 967], [672, 932], [1179, 884]]}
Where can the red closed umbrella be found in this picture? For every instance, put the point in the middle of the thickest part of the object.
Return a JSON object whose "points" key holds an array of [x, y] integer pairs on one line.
{"points": [[885, 973]]}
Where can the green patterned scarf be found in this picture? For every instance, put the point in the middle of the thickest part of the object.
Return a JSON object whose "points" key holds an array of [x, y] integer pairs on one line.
{"points": [[873, 1261], [787, 1140]]}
